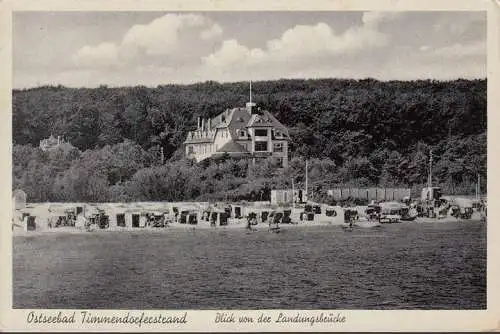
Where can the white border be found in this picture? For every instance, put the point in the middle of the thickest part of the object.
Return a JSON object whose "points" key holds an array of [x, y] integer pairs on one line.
{"points": [[488, 320]]}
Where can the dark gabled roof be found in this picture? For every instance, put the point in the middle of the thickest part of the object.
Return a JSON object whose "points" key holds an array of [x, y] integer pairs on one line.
{"points": [[240, 119], [259, 120], [237, 120], [266, 119], [232, 147]]}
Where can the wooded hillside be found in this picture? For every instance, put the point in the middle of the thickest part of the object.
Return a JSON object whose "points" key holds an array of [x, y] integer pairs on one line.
{"points": [[354, 132]]}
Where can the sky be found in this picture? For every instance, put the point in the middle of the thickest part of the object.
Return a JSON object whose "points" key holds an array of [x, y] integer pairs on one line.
{"points": [[88, 49]]}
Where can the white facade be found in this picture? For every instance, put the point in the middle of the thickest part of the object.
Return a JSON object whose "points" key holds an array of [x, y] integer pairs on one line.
{"points": [[239, 132]]}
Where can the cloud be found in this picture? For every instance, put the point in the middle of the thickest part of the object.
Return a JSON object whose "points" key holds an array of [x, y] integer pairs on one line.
{"points": [[164, 35], [374, 19], [214, 31], [459, 23], [459, 51], [300, 45], [168, 35], [232, 53], [424, 48], [425, 66], [312, 40], [102, 55], [185, 48]]}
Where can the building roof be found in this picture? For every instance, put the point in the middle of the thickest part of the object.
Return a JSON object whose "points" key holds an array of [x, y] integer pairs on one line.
{"points": [[259, 121], [199, 140], [232, 147], [240, 119]]}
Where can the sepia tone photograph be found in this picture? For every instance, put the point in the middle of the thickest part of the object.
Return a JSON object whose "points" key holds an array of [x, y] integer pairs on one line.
{"points": [[232, 160]]}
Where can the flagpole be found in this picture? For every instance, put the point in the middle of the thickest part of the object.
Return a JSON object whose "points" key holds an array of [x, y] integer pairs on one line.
{"points": [[478, 193], [429, 180], [307, 193]]}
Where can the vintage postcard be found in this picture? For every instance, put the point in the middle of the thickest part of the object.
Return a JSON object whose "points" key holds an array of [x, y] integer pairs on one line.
{"points": [[249, 166]]}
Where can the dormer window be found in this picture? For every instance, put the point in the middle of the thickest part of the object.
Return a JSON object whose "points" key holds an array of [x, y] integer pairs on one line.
{"points": [[261, 132], [278, 134], [278, 147], [242, 133]]}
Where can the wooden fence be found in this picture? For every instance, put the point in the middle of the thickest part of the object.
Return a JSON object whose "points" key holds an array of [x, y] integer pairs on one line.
{"points": [[286, 196], [375, 194]]}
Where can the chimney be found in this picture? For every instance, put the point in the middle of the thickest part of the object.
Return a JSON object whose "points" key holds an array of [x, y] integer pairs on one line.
{"points": [[250, 105]]}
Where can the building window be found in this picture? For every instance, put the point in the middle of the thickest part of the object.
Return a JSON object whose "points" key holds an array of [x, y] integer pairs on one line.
{"points": [[260, 146], [278, 134], [242, 133], [261, 132], [278, 147], [190, 149], [279, 162]]}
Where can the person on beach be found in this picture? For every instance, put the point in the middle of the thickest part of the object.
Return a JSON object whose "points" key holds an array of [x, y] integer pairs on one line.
{"points": [[249, 223], [80, 222], [213, 217]]}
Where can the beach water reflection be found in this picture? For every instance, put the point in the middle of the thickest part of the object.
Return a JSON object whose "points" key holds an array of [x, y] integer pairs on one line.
{"points": [[399, 266]]}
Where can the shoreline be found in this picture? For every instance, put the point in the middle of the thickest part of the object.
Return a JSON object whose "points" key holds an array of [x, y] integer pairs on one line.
{"points": [[233, 227], [174, 227]]}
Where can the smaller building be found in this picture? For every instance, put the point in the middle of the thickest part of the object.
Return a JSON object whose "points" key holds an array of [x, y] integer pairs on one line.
{"points": [[19, 199], [50, 143]]}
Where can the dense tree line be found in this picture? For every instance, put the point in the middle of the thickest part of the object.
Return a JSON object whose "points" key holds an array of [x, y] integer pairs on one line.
{"points": [[353, 132]]}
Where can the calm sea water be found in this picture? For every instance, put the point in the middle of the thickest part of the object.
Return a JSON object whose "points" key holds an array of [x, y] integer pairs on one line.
{"points": [[400, 266]]}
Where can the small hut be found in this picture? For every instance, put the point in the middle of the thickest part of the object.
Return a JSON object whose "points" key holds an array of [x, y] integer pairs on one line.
{"points": [[237, 211], [183, 216], [218, 217], [192, 218], [19, 199]]}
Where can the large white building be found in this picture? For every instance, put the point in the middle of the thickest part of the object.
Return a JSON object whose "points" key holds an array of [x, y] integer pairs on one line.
{"points": [[247, 132]]}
